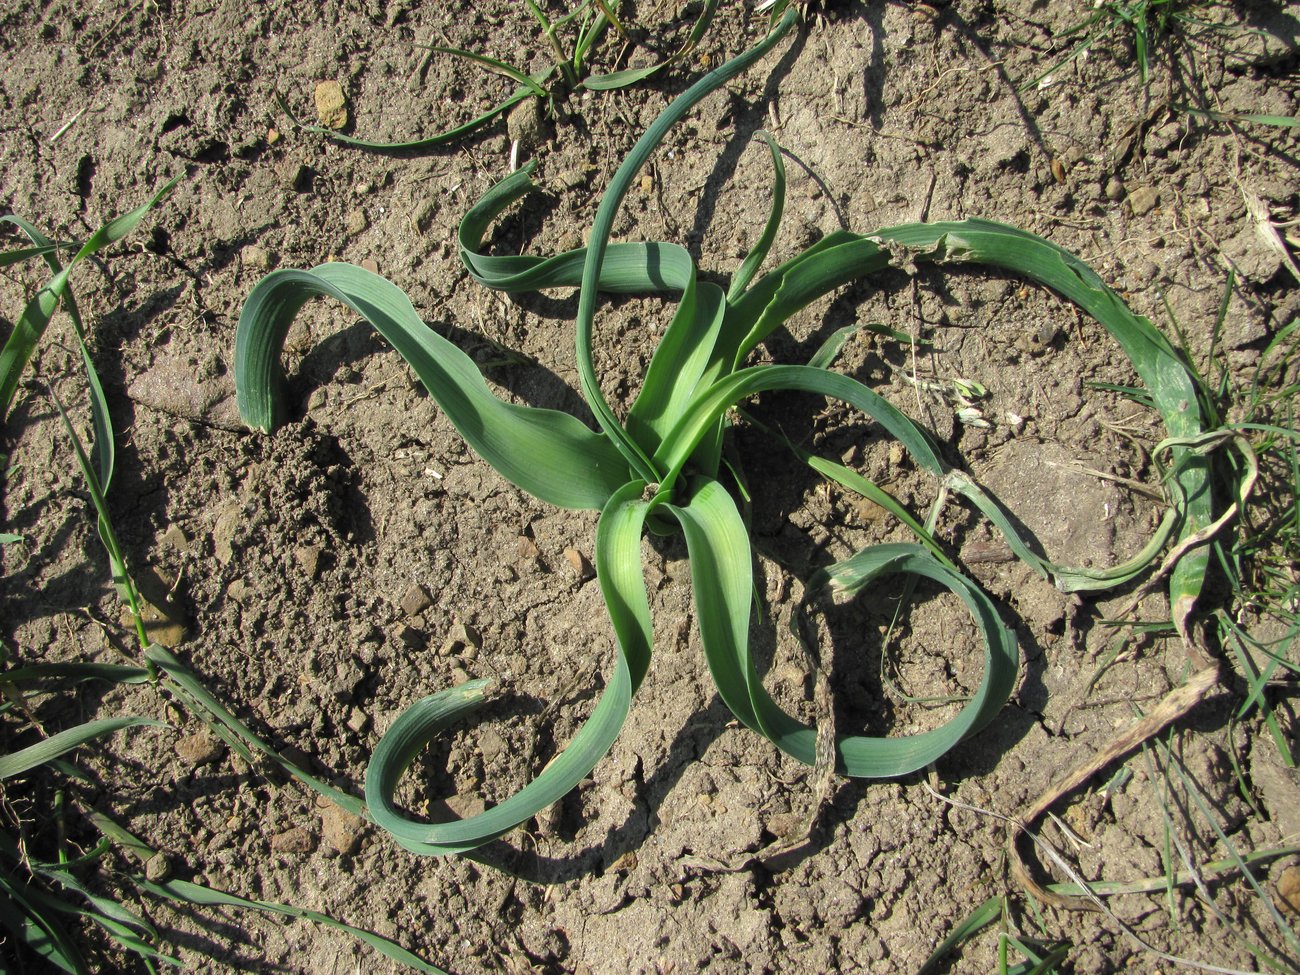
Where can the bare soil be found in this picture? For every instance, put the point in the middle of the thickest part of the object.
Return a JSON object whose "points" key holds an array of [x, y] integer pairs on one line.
{"points": [[324, 572]]}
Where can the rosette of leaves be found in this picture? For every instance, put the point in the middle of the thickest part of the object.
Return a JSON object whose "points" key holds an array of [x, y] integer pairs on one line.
{"points": [[659, 467]]}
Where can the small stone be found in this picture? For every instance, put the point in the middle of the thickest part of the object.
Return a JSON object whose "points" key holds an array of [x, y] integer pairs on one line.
{"points": [[175, 539], [340, 829], [364, 187], [409, 636], [239, 591], [293, 174], [579, 564], [647, 184], [525, 124], [357, 222], [624, 864], [318, 400], [296, 839], [370, 265], [897, 456], [491, 745], [868, 512], [198, 749], [255, 257], [309, 558], [1114, 189], [572, 179], [162, 624], [272, 136], [299, 337], [331, 105], [1143, 200], [415, 600], [464, 640], [528, 550], [1288, 889], [358, 721], [467, 807], [423, 215], [158, 868], [223, 533], [789, 825]]}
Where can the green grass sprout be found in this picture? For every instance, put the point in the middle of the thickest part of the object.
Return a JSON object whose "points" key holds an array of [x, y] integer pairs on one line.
{"points": [[31, 325], [1146, 24], [43, 900], [590, 21]]}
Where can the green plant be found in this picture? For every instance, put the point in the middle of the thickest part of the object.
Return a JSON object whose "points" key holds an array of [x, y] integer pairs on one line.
{"points": [[1253, 422], [1148, 24], [589, 23], [1041, 957], [42, 891], [660, 468], [39, 889], [1259, 622], [38, 896]]}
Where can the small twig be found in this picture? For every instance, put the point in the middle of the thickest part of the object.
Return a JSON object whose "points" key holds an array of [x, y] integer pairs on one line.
{"points": [[1172, 707], [66, 125], [370, 393], [112, 30], [1135, 486]]}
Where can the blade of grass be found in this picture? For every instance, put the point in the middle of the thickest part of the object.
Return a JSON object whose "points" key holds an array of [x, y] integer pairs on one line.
{"points": [[116, 673], [618, 569], [971, 925], [1280, 121], [103, 446], [549, 454], [427, 142], [630, 76], [1153, 885], [30, 917], [183, 682], [26, 759], [36, 316], [758, 254], [108, 537]]}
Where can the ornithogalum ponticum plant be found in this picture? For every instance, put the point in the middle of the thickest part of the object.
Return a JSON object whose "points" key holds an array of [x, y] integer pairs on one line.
{"points": [[659, 465]]}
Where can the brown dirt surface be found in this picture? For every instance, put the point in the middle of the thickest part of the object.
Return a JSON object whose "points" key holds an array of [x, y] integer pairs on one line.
{"points": [[326, 571]]}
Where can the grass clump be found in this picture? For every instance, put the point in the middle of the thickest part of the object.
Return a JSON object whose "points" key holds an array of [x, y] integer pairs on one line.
{"points": [[56, 855], [572, 40], [1146, 26], [660, 467]]}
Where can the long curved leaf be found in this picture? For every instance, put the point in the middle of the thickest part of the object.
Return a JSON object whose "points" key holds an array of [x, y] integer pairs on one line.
{"points": [[708, 407], [549, 454], [721, 575], [29, 328], [1154, 358], [618, 567], [628, 268], [758, 254], [26, 759], [603, 225]]}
